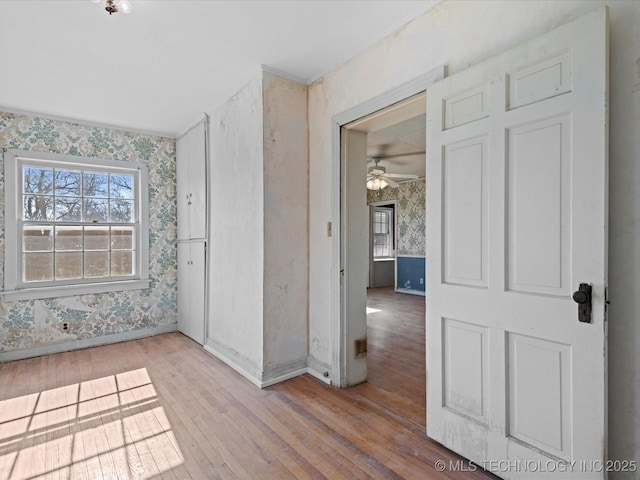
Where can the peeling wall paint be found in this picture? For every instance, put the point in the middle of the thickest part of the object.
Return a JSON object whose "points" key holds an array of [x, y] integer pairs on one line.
{"points": [[258, 300], [37, 323], [451, 35], [237, 235], [285, 217]]}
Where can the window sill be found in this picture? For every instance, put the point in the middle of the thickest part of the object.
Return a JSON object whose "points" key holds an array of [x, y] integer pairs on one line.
{"points": [[72, 290]]}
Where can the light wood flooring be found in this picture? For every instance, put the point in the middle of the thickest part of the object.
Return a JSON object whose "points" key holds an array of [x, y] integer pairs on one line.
{"points": [[161, 408]]}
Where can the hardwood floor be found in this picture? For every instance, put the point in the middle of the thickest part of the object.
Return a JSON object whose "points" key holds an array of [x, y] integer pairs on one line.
{"points": [[163, 408]]}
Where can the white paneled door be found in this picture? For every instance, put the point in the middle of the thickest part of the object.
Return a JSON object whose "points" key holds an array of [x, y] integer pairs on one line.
{"points": [[516, 221], [191, 289], [191, 183]]}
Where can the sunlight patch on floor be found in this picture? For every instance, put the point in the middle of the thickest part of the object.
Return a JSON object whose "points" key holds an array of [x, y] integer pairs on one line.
{"points": [[100, 428], [372, 310]]}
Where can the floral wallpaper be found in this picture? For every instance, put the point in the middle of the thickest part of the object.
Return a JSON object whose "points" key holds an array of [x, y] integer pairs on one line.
{"points": [[32, 323], [411, 214]]}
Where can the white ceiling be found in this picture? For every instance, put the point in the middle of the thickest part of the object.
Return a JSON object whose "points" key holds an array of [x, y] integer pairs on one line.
{"points": [[157, 69], [400, 147]]}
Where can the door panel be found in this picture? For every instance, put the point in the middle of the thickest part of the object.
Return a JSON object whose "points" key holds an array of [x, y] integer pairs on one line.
{"points": [[184, 287], [540, 81], [182, 186], [465, 219], [466, 107], [539, 189], [197, 292], [540, 407], [191, 184], [198, 182], [465, 349], [517, 219], [191, 290]]}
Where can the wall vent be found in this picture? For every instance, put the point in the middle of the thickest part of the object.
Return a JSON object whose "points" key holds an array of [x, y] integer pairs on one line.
{"points": [[360, 348]]}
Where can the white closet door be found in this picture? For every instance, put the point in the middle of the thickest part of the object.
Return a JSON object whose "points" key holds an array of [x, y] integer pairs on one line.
{"points": [[197, 183], [191, 289], [182, 186], [191, 184]]}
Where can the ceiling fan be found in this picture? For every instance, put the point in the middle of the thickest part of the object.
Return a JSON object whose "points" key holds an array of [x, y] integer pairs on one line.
{"points": [[378, 178]]}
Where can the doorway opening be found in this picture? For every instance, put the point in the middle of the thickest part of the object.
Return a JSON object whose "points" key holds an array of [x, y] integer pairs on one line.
{"points": [[383, 191]]}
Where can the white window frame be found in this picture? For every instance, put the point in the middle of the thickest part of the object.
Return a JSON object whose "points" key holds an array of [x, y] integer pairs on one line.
{"points": [[14, 289], [390, 214]]}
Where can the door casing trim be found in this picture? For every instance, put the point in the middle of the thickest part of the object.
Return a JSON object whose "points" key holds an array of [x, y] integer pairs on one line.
{"points": [[384, 100]]}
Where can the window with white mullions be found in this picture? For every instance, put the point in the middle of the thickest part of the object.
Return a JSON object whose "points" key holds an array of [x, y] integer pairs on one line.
{"points": [[79, 221], [382, 229]]}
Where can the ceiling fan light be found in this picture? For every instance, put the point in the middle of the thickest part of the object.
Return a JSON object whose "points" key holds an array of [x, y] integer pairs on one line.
{"points": [[124, 6], [376, 184]]}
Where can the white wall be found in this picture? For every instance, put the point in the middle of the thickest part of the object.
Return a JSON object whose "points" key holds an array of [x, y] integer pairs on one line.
{"points": [[236, 203], [285, 223], [458, 34], [259, 211]]}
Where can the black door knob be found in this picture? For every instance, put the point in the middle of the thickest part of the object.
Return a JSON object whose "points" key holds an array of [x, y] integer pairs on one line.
{"points": [[580, 297]]}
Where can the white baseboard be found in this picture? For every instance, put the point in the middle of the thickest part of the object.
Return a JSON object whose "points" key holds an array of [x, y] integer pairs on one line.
{"points": [[319, 376], [412, 292], [86, 343], [240, 364], [284, 371], [319, 370], [248, 370], [282, 378]]}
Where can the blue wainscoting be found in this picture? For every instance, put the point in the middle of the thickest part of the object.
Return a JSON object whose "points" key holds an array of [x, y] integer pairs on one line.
{"points": [[410, 271]]}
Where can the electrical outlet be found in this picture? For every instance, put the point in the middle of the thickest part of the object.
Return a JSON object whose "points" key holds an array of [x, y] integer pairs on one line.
{"points": [[65, 326], [421, 281]]}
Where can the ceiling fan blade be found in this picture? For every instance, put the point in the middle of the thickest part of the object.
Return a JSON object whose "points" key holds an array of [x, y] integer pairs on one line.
{"points": [[408, 176], [391, 182], [407, 154]]}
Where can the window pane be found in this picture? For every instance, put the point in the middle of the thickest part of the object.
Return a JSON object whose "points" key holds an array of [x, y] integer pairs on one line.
{"points": [[37, 267], [38, 208], [122, 211], [96, 185], [68, 209], [122, 238], [68, 266], [77, 219], [96, 238], [37, 238], [381, 246], [121, 186], [95, 210], [67, 183], [379, 239], [121, 264], [37, 180], [68, 238], [96, 264]]}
